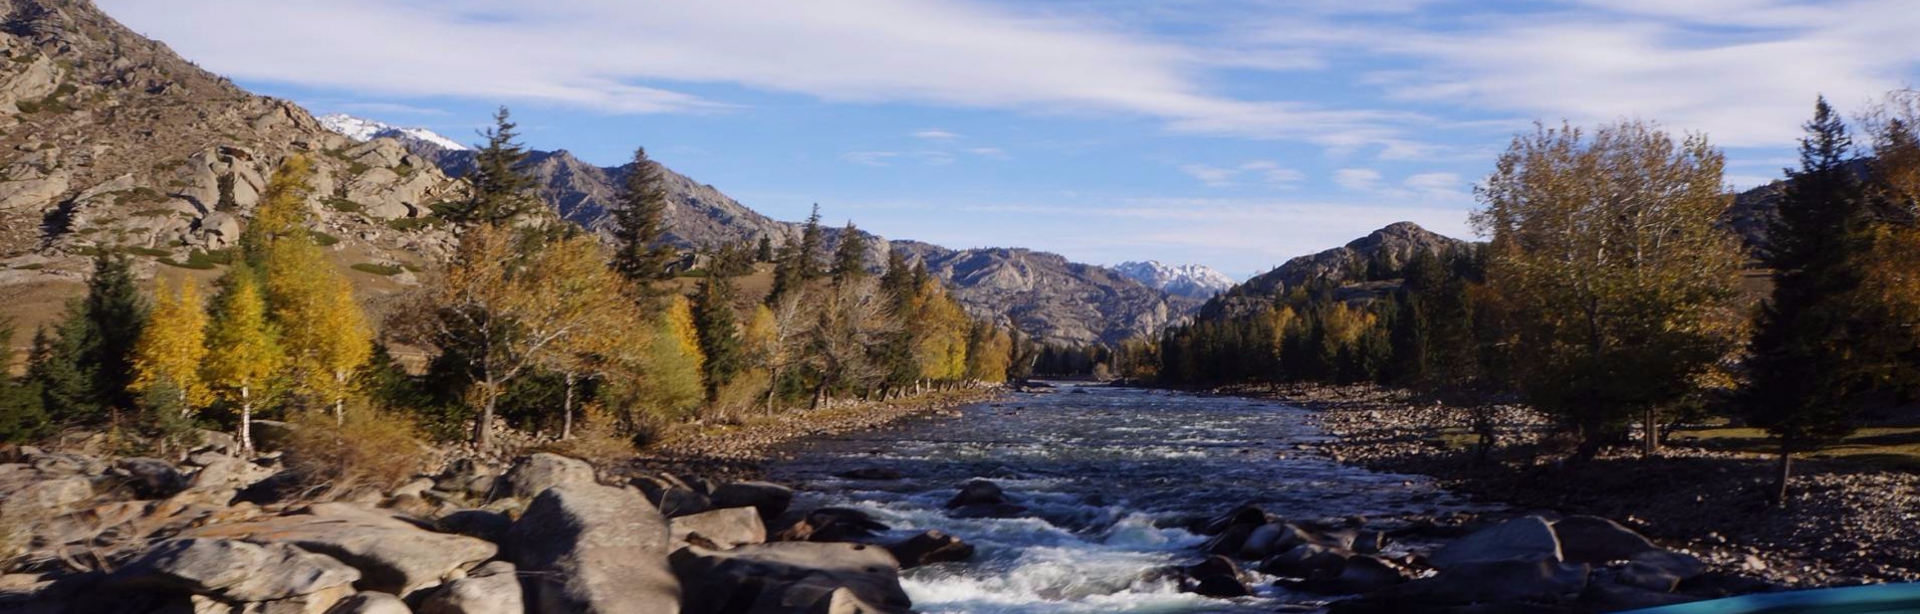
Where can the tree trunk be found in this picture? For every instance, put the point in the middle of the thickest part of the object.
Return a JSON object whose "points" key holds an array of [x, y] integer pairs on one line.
{"points": [[246, 420], [566, 411], [1786, 471], [773, 386], [340, 404], [483, 427], [1651, 439]]}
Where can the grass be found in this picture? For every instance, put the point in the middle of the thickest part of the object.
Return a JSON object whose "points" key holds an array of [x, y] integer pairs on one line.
{"points": [[1883, 447], [378, 269], [323, 239], [343, 205], [147, 251]]}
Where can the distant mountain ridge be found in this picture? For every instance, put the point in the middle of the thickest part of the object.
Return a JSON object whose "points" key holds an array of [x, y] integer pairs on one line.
{"points": [[1188, 280], [1394, 245], [361, 129]]}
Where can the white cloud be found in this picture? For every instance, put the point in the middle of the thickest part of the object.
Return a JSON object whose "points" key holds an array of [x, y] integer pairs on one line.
{"points": [[870, 158], [935, 134], [988, 152], [1262, 171], [1357, 179]]}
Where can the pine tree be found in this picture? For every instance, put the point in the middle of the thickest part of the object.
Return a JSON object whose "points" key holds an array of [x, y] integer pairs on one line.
{"points": [[59, 373], [501, 189], [718, 326], [763, 252], [812, 241], [117, 311], [171, 350], [22, 417], [1800, 369], [850, 256], [640, 250], [243, 349]]}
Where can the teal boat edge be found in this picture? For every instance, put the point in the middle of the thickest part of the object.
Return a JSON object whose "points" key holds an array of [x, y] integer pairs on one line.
{"points": [[1872, 599]]}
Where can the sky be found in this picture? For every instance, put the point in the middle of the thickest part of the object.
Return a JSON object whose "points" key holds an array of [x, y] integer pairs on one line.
{"points": [[1231, 133]]}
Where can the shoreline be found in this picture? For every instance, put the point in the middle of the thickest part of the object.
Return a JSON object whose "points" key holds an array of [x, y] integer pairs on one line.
{"points": [[1847, 525]]}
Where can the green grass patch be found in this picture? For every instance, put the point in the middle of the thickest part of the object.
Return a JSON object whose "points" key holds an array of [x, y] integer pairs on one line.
{"points": [[31, 266], [385, 270], [322, 239], [343, 205], [1886, 447], [189, 264], [147, 251]]}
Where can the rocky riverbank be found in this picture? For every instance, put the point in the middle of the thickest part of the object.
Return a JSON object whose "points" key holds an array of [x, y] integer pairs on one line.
{"points": [[549, 534], [1846, 524]]}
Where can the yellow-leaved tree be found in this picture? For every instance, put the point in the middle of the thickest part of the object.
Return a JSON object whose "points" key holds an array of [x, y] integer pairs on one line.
{"points": [[172, 348], [674, 363], [322, 328], [940, 333], [243, 349]]}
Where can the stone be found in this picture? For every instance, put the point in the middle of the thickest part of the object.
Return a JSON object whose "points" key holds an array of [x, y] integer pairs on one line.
{"points": [[930, 547], [541, 471], [42, 498], [1245, 514], [672, 496], [1620, 598], [1215, 577], [150, 478], [393, 556], [829, 524], [1365, 574], [989, 510], [776, 576], [1677, 564], [1598, 541], [1644, 576], [1232, 541], [1523, 539], [370, 603], [588, 548], [720, 529], [1502, 580], [1369, 542], [770, 499], [482, 524], [493, 588], [233, 570], [1308, 561], [1259, 542], [977, 492]]}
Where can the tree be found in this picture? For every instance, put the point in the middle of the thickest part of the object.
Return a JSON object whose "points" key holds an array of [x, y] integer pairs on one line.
{"points": [[812, 241], [22, 417], [58, 373], [323, 331], [243, 348], [281, 214], [853, 318], [1623, 284], [763, 252], [776, 338], [850, 256], [1802, 381], [501, 190], [116, 312], [172, 349], [640, 251], [718, 325], [674, 362], [989, 352]]}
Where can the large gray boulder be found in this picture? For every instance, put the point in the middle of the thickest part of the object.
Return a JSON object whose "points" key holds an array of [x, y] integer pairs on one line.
{"points": [[1526, 538], [370, 603], [769, 498], [721, 529], [543, 471], [790, 577], [588, 548], [493, 588], [671, 495], [1597, 541], [393, 556], [233, 570]]}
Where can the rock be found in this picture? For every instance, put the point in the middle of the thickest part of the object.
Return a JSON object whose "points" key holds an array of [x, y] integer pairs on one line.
{"points": [[393, 556], [541, 471], [869, 473], [370, 603], [42, 498], [1501, 580], [989, 510], [788, 577], [483, 524], [1369, 542], [719, 529], [1644, 576], [1259, 542], [1232, 541], [233, 570], [1598, 541], [1245, 514], [770, 499], [1677, 564], [492, 588], [1521, 539], [1618, 598], [595, 549], [1309, 561], [1215, 577], [672, 496], [150, 478], [1365, 574], [928, 548], [830, 524], [977, 492]]}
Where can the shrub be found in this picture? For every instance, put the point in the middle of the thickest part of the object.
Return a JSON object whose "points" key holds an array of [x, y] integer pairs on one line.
{"points": [[343, 205], [323, 239], [378, 269], [596, 438], [189, 264], [370, 451], [147, 251]]}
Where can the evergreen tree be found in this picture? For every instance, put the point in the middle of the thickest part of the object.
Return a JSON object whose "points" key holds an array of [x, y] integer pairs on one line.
{"points": [[501, 189], [116, 311], [22, 417], [850, 256], [1801, 383], [243, 348], [763, 252], [718, 325], [640, 250], [812, 242], [58, 372]]}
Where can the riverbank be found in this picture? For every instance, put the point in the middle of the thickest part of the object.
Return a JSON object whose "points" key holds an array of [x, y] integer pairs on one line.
{"points": [[1848, 522], [740, 451]]}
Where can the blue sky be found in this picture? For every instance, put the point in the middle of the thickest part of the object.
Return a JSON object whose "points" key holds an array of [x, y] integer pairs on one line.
{"points": [[1231, 133]]}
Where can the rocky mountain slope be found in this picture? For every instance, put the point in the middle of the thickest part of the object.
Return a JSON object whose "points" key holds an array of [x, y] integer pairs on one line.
{"points": [[1188, 280], [1049, 297], [1396, 244]]}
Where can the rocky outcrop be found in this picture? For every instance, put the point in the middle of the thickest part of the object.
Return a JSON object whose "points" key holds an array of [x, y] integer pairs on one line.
{"points": [[393, 556], [594, 549], [233, 570], [1393, 247], [791, 577], [1047, 296]]}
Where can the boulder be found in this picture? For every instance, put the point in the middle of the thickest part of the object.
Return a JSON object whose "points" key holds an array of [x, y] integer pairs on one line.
{"points": [[1259, 542], [1231, 541], [1358, 575], [1215, 577], [482, 524], [672, 496], [42, 498], [588, 548], [789, 577], [1620, 598], [770, 499], [492, 588], [928, 548], [1597, 541], [1245, 514], [977, 492], [1309, 561], [233, 570], [393, 556], [1501, 580], [829, 524], [1522, 539], [150, 478], [1677, 564], [719, 529], [370, 603], [542, 471], [1369, 542]]}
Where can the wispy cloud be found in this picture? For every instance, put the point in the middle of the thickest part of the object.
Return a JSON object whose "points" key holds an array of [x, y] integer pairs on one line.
{"points": [[870, 158], [935, 134], [1260, 171]]}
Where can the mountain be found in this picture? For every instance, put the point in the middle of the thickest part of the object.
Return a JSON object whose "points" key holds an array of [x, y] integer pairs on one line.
{"points": [[361, 129], [1394, 245], [1050, 297], [1188, 280]]}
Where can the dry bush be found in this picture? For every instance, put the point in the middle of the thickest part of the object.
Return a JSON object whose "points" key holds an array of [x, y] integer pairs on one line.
{"points": [[745, 396], [596, 438], [371, 451]]}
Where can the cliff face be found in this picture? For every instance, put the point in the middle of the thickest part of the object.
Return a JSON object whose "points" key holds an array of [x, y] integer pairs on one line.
{"points": [[1051, 298]]}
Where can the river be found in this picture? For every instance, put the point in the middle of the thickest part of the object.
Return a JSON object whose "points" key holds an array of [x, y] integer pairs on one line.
{"points": [[1106, 473]]}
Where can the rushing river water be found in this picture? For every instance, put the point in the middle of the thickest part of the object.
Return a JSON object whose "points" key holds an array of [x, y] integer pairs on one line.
{"points": [[1101, 469]]}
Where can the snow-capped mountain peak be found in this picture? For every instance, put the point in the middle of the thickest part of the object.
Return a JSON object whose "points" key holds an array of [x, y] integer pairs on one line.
{"points": [[1198, 281], [361, 129]]}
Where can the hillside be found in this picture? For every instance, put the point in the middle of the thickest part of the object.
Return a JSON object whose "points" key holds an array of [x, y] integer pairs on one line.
{"points": [[1394, 245], [1188, 280], [1050, 297]]}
